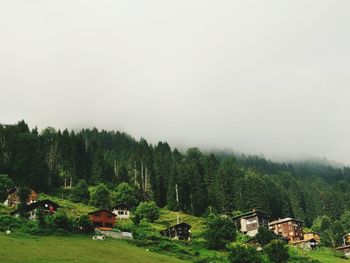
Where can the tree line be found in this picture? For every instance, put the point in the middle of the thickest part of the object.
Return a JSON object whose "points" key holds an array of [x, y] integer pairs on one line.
{"points": [[215, 182]]}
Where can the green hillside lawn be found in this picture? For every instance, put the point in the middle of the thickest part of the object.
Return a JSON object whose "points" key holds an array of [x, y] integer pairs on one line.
{"points": [[29, 249], [324, 255]]}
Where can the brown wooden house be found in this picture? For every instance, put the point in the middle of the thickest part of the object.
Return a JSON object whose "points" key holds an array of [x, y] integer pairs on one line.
{"points": [[288, 227], [248, 223], [103, 219], [180, 231]]}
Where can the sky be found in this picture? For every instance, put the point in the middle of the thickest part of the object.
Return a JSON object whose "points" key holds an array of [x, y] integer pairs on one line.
{"points": [[261, 77]]}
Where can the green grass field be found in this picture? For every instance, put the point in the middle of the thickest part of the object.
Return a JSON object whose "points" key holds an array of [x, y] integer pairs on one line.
{"points": [[30, 249], [324, 255]]}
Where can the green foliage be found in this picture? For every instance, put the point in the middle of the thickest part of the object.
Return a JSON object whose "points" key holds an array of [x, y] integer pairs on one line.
{"points": [[244, 254], [23, 194], [5, 184], [83, 224], [9, 222], [80, 193], [126, 194], [100, 197], [59, 220], [147, 210], [277, 251], [219, 231], [265, 236]]}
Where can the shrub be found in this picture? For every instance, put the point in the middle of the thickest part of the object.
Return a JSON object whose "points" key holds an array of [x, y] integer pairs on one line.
{"points": [[59, 220], [219, 232], [9, 222], [244, 254], [80, 193], [277, 251], [147, 210], [83, 224], [265, 236], [100, 197]]}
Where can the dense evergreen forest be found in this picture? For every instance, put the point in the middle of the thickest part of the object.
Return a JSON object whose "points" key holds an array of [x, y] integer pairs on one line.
{"points": [[49, 159]]}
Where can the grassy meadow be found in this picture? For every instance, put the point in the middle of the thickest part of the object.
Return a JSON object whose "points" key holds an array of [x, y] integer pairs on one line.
{"points": [[30, 249]]}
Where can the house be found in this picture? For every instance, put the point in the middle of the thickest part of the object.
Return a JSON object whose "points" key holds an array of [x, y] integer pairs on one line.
{"points": [[309, 244], [248, 223], [345, 250], [180, 231], [314, 235], [288, 227], [121, 211], [102, 219], [47, 206], [13, 198]]}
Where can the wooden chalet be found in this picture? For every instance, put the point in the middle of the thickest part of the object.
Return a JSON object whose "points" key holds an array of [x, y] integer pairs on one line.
{"points": [[47, 206], [309, 244], [345, 250], [13, 199], [121, 211], [311, 234], [248, 223], [288, 227], [103, 219], [180, 231]]}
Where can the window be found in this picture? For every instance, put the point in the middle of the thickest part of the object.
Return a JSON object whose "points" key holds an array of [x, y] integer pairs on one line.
{"points": [[120, 212]]}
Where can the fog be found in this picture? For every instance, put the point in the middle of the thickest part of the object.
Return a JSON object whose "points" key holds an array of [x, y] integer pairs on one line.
{"points": [[260, 77]]}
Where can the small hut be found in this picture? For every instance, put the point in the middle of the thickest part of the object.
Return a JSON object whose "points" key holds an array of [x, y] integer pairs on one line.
{"points": [[180, 231]]}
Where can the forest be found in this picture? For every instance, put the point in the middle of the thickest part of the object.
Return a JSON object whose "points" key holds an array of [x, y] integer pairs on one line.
{"points": [[221, 182]]}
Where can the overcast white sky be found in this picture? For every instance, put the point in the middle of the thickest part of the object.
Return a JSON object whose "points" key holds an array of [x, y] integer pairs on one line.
{"points": [[263, 77]]}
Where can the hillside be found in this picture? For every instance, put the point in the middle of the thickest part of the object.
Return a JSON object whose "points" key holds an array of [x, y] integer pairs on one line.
{"points": [[73, 249]]}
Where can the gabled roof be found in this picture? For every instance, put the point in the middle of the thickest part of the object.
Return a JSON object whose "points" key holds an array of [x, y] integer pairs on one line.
{"points": [[177, 225], [120, 205], [41, 203], [284, 220], [37, 204], [254, 212], [101, 210]]}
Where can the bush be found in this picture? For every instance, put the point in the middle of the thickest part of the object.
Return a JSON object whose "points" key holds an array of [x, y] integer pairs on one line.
{"points": [[277, 251], [145, 231], [146, 210], [83, 224], [59, 220], [9, 222], [80, 193], [265, 236], [219, 232], [126, 194], [244, 254], [100, 197]]}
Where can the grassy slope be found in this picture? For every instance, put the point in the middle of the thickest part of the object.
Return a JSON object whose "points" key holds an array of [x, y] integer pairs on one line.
{"points": [[324, 255], [22, 248]]}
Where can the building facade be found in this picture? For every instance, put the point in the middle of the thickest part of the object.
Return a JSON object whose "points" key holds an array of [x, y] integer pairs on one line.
{"points": [[249, 223], [288, 227], [121, 211], [103, 219], [180, 231]]}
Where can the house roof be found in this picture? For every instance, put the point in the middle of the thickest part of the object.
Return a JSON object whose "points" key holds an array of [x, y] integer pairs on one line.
{"points": [[41, 203], [283, 220], [177, 225], [120, 205], [304, 241], [254, 212], [342, 247], [37, 204], [101, 210]]}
